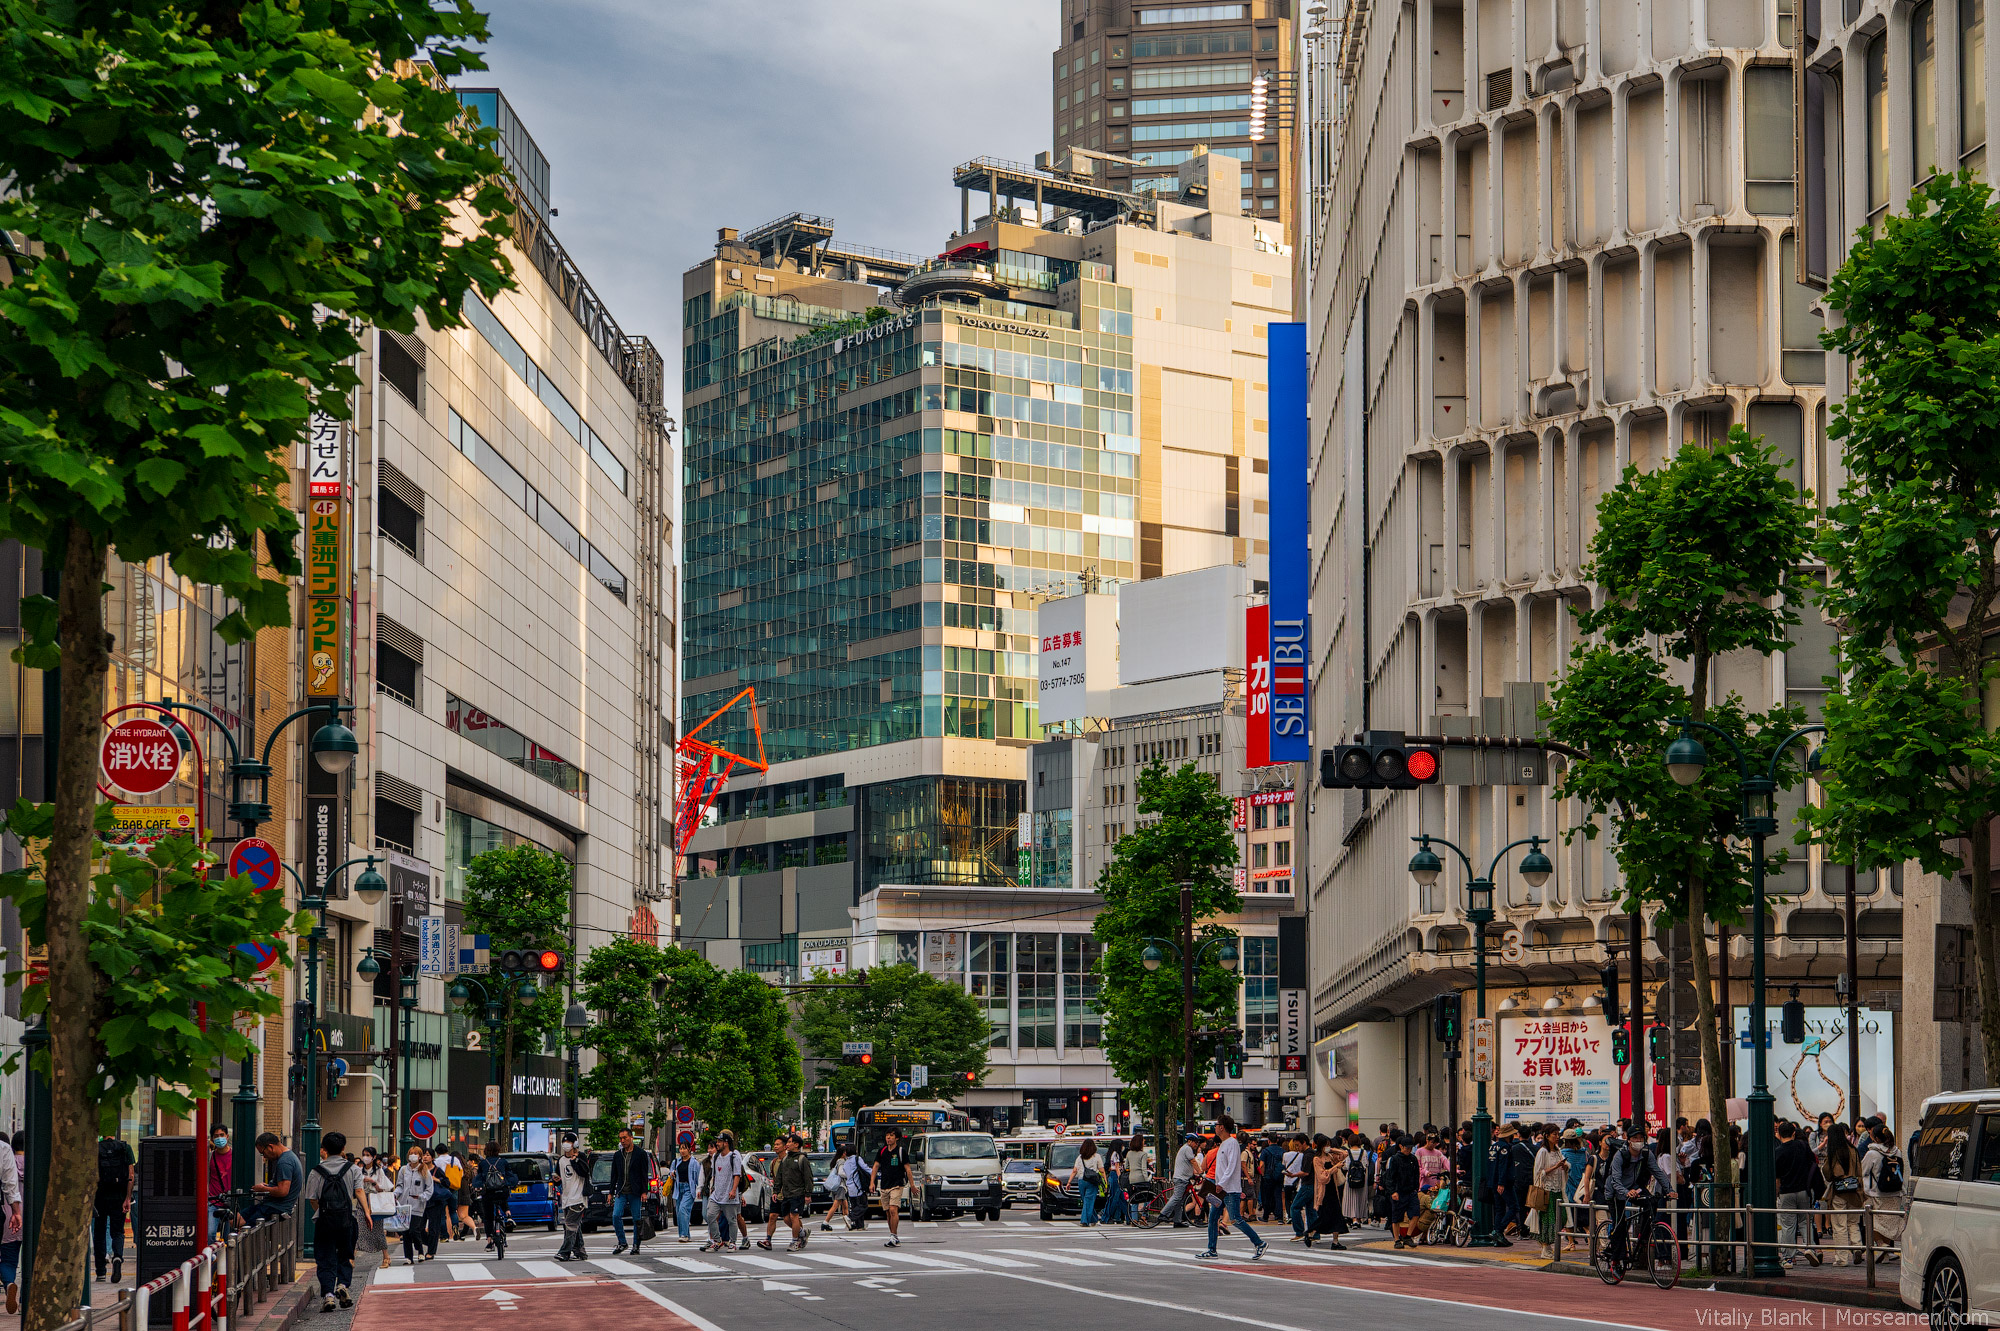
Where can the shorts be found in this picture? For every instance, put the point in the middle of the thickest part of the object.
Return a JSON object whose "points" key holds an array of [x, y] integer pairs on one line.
{"points": [[891, 1198], [788, 1206]]}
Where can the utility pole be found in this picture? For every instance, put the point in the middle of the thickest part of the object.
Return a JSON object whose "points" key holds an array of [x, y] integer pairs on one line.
{"points": [[1187, 1002], [1636, 922]]}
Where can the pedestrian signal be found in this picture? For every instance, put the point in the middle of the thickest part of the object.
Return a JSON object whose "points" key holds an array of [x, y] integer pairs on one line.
{"points": [[1656, 1043], [1446, 1010], [1621, 1047]]}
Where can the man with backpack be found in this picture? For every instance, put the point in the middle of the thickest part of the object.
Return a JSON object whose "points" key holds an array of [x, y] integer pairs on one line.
{"points": [[333, 1190], [113, 1199], [494, 1184]]}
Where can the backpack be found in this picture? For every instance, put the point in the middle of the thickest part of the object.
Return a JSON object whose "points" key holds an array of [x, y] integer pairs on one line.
{"points": [[1889, 1174], [1357, 1171], [334, 1197], [113, 1167]]}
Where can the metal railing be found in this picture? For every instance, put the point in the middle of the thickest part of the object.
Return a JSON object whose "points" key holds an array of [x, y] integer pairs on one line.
{"points": [[222, 1282], [1719, 1238]]}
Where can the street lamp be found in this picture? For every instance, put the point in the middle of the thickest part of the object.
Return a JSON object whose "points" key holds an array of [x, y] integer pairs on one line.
{"points": [[317, 903], [407, 1000], [575, 1021], [334, 746], [1685, 761], [1535, 869], [1189, 956]]}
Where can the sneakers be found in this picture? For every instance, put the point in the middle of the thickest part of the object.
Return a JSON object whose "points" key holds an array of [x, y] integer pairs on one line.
{"points": [[765, 1244], [825, 1228], [341, 1296], [1208, 1256], [1259, 1251], [893, 1243], [799, 1246], [326, 1304], [614, 1252]]}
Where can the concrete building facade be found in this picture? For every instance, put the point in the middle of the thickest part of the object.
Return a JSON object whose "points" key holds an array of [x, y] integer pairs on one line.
{"points": [[1559, 242]]}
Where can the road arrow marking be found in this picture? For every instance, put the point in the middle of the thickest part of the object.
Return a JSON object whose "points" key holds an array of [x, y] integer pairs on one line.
{"points": [[780, 1287], [887, 1284], [505, 1298]]}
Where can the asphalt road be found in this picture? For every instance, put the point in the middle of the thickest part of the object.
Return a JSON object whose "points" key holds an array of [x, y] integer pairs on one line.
{"points": [[988, 1276]]}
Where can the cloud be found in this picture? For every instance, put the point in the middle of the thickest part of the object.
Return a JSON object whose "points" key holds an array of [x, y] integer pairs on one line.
{"points": [[665, 120]]}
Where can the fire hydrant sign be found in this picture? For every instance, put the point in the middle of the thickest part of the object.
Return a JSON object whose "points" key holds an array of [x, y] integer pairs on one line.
{"points": [[139, 756], [1479, 1046]]}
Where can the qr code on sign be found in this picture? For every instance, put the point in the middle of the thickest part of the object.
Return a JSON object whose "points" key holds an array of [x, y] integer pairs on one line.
{"points": [[1565, 1092]]}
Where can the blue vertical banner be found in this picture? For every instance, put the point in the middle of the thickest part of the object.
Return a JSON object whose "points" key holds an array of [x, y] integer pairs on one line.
{"points": [[1291, 563]]}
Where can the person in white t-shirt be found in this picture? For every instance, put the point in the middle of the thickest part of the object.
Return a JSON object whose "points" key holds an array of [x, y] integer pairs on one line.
{"points": [[1229, 1183]]}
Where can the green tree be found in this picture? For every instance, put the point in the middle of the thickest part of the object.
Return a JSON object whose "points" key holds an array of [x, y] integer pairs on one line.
{"points": [[205, 203], [1696, 560], [519, 897], [911, 1018], [1911, 549], [1187, 841], [671, 1028]]}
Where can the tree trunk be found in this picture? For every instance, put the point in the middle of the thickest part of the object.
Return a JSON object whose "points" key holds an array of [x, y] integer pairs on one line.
{"points": [[76, 990], [507, 1088], [1708, 1028], [1983, 940]]}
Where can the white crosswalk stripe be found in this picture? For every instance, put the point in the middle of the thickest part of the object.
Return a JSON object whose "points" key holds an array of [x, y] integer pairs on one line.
{"points": [[395, 1275], [1141, 1258], [545, 1270], [694, 1264], [618, 1267], [918, 1259], [468, 1271], [1055, 1257], [993, 1259], [847, 1263], [766, 1263]]}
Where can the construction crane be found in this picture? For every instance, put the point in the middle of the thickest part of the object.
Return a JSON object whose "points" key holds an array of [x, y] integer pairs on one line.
{"points": [[702, 769]]}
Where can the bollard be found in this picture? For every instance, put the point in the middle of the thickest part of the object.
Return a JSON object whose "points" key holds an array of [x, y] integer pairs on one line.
{"points": [[219, 1308], [1868, 1240], [200, 1315], [141, 1306], [180, 1297]]}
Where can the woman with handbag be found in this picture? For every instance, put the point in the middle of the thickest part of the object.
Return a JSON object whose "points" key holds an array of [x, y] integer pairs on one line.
{"points": [[413, 1199], [1545, 1194], [380, 1190], [1088, 1176], [1844, 1193], [1329, 1171]]}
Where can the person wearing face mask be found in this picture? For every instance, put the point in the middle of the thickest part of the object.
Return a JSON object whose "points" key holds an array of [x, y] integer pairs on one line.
{"points": [[378, 1189], [413, 1199], [572, 1176], [220, 1158]]}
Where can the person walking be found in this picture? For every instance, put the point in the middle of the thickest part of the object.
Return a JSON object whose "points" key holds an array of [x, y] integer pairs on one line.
{"points": [[1271, 1181], [1882, 1186], [856, 1181], [111, 1203], [438, 1211], [10, 1224], [1798, 1171], [1115, 1210], [334, 1191], [791, 1189], [376, 1190], [1328, 1163], [687, 1190], [631, 1172], [1138, 1169], [1357, 1174], [1298, 1186], [1401, 1179], [891, 1175], [1844, 1193], [725, 1194], [493, 1184], [836, 1188], [1551, 1189], [1087, 1177], [450, 1173], [573, 1196], [1183, 1180], [413, 1201], [1229, 1187]]}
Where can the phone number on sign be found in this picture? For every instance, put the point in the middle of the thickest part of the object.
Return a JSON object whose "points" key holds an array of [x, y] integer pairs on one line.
{"points": [[1060, 681]]}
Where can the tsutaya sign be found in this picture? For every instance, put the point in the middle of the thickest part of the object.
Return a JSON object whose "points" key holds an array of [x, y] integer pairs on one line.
{"points": [[1290, 623]]}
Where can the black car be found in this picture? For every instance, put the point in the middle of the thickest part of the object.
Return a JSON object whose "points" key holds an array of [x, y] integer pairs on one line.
{"points": [[1059, 1195], [822, 1163], [597, 1198]]}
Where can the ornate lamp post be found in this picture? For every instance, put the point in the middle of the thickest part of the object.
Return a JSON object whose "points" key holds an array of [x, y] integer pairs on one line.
{"points": [[1685, 761], [369, 887], [1535, 869]]}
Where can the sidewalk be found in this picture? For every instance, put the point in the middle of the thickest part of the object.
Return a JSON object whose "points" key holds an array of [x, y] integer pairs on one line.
{"points": [[1845, 1285], [284, 1308]]}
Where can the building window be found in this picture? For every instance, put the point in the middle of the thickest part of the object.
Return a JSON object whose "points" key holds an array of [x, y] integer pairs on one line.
{"points": [[395, 675], [1283, 853], [1972, 84], [1923, 91], [501, 472], [1260, 817], [1801, 361], [1268, 182], [1260, 991], [1062, 103], [1876, 89], [1260, 854], [395, 826], [488, 326], [1269, 154], [988, 979], [1194, 14], [1269, 205], [1192, 76], [1281, 815], [1083, 1026], [1192, 129], [1767, 138], [400, 523], [498, 738], [1118, 83], [1035, 990], [401, 370]]}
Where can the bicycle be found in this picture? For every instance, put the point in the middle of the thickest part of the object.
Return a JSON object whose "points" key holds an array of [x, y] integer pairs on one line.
{"points": [[1654, 1246], [1152, 1210]]}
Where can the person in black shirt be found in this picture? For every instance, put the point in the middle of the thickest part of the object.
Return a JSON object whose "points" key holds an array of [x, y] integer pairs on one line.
{"points": [[891, 1176], [113, 1199], [1796, 1167], [1400, 1177]]}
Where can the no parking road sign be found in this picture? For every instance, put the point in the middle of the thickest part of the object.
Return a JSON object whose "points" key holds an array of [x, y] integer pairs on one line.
{"points": [[685, 1139], [685, 1114], [423, 1125], [255, 856]]}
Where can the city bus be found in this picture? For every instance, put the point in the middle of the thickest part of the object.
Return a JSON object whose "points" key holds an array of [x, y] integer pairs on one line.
{"points": [[840, 1134], [913, 1117]]}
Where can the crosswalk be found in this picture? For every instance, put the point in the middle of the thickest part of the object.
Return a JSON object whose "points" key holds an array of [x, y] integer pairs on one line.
{"points": [[1054, 1256]]}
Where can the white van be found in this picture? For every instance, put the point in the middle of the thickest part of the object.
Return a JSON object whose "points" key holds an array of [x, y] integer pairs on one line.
{"points": [[1951, 1240], [952, 1172]]}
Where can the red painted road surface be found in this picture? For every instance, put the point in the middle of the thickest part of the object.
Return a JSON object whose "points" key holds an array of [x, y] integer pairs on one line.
{"points": [[538, 1305], [1635, 1303]]}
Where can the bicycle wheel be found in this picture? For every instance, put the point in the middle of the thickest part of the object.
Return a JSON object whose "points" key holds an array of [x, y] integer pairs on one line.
{"points": [[1664, 1260], [1461, 1230], [1147, 1214], [1607, 1270]]}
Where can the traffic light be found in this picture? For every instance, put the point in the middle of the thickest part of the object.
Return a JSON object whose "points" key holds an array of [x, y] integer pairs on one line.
{"points": [[1385, 762], [857, 1060], [1221, 1065], [1621, 1047], [971, 1077], [1656, 1043], [1446, 1011], [1234, 1058], [1608, 977], [533, 962], [1792, 1020]]}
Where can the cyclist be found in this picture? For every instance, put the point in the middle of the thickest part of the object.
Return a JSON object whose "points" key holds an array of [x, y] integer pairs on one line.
{"points": [[494, 1181], [1634, 1178]]}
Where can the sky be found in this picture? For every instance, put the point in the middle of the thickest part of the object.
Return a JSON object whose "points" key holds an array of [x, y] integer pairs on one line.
{"points": [[665, 119]]}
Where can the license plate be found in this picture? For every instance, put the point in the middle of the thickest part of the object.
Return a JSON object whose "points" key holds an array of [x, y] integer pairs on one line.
{"points": [[962, 1203]]}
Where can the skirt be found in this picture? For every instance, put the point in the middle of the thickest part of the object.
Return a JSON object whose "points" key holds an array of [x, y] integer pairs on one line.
{"points": [[1354, 1202]]}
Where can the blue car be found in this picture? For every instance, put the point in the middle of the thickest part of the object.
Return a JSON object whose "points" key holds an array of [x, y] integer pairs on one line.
{"points": [[531, 1201]]}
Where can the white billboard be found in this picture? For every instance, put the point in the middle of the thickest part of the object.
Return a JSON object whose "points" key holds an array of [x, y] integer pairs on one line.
{"points": [[1182, 624], [1078, 663], [1557, 1068], [1811, 1079]]}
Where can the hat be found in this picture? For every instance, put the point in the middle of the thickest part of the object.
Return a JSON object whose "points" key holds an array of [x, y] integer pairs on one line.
{"points": [[569, 1136], [1571, 1135], [1508, 1130]]}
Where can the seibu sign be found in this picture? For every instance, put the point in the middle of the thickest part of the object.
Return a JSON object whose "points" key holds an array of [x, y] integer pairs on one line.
{"points": [[139, 756]]}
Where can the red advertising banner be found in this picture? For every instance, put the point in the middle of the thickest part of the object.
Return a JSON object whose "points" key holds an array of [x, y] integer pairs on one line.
{"points": [[1241, 821], [1257, 656]]}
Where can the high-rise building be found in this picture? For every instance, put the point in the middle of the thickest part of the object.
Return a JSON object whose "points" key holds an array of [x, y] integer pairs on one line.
{"points": [[1159, 83], [1554, 241], [892, 462]]}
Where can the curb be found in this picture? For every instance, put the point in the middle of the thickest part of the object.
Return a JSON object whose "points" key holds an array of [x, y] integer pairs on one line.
{"points": [[284, 1310]]}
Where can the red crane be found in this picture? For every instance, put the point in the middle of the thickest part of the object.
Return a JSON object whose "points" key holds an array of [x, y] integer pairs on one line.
{"points": [[701, 769]]}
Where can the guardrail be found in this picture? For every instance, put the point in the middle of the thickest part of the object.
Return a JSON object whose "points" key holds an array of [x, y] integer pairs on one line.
{"points": [[221, 1283], [1720, 1237]]}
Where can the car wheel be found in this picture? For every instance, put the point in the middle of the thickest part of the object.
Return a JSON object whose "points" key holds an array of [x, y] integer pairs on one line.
{"points": [[552, 1226], [1945, 1298]]}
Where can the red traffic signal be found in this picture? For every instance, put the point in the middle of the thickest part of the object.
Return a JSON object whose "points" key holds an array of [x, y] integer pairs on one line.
{"points": [[972, 1076], [857, 1060], [548, 961]]}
